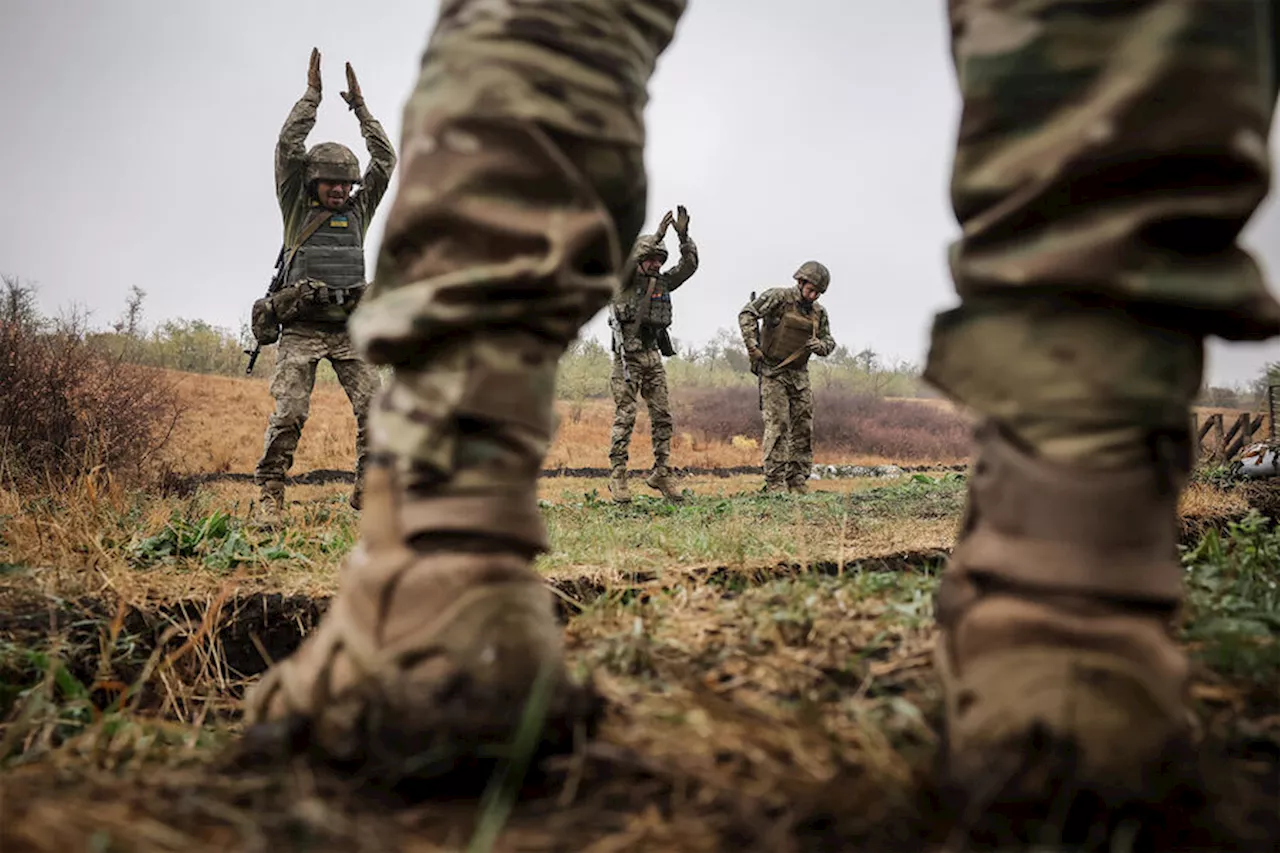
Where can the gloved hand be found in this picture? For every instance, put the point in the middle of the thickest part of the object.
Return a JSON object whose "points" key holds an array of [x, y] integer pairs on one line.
{"points": [[664, 225], [352, 96], [816, 346], [756, 355], [682, 223], [313, 71]]}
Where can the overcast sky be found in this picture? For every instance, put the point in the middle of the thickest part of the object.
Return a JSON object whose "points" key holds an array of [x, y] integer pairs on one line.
{"points": [[140, 135]]}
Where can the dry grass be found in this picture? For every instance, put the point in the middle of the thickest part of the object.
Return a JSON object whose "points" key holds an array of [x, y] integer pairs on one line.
{"points": [[764, 660], [226, 418]]}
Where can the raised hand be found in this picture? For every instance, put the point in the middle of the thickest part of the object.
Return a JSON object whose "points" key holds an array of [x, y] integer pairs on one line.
{"points": [[313, 70], [352, 96], [682, 222], [665, 224]]}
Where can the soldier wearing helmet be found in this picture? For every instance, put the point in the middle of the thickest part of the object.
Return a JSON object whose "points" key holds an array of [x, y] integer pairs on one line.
{"points": [[640, 316], [321, 280], [781, 328]]}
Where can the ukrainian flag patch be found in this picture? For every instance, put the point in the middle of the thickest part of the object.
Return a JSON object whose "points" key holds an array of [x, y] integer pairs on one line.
{"points": [[338, 222]]}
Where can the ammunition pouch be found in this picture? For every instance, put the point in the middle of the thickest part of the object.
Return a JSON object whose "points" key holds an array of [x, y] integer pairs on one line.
{"points": [[664, 343], [314, 301], [264, 323]]}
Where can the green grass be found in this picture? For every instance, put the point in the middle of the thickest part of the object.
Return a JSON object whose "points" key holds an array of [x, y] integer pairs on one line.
{"points": [[1233, 603]]}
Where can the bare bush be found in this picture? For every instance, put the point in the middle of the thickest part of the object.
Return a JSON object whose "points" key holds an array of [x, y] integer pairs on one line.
{"points": [[843, 422], [68, 408]]}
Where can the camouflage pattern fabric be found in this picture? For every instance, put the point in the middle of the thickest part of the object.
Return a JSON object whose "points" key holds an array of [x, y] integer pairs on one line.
{"points": [[786, 397], [524, 155], [648, 379], [788, 428], [301, 350], [1149, 123]]}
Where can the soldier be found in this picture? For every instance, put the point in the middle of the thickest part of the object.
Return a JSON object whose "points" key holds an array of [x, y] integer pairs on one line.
{"points": [[324, 228], [1108, 157], [795, 326], [640, 315]]}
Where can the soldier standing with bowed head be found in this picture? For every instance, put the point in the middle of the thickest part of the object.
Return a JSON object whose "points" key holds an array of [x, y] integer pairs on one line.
{"points": [[781, 329]]}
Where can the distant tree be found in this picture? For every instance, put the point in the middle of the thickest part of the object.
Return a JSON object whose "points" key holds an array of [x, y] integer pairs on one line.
{"points": [[130, 322], [19, 303]]}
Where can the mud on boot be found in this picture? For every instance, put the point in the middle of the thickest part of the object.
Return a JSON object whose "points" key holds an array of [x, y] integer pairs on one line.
{"points": [[618, 489], [425, 666], [662, 481], [269, 513], [1066, 693]]}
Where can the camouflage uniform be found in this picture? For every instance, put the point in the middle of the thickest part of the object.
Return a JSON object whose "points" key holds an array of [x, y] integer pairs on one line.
{"points": [[785, 395], [645, 374], [1108, 157], [316, 331]]}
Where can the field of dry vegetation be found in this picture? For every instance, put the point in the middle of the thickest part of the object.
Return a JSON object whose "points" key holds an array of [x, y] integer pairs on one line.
{"points": [[763, 661]]}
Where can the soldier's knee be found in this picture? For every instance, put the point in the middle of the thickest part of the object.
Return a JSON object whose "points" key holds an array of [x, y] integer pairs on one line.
{"points": [[289, 420]]}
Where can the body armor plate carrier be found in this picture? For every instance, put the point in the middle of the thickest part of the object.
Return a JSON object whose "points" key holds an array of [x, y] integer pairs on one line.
{"points": [[789, 335], [332, 262]]}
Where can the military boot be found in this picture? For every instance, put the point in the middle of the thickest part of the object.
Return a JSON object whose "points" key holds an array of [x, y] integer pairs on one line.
{"points": [[771, 488], [662, 480], [356, 499], [799, 487], [427, 651], [1055, 613], [618, 489], [270, 510]]}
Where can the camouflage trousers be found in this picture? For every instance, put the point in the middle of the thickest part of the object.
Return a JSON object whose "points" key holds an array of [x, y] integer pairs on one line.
{"points": [[300, 352], [648, 379], [787, 402], [1106, 163]]}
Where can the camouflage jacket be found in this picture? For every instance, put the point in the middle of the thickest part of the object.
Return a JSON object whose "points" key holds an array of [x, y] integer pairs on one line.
{"points": [[630, 294], [769, 306], [291, 167]]}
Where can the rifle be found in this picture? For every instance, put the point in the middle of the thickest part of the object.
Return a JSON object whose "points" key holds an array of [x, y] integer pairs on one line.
{"points": [[618, 348], [277, 278], [759, 369]]}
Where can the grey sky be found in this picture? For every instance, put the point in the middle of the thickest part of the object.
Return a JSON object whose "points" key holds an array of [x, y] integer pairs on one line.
{"points": [[142, 150]]}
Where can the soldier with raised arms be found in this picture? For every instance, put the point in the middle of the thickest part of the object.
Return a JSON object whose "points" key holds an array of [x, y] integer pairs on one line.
{"points": [[640, 317], [325, 222]]}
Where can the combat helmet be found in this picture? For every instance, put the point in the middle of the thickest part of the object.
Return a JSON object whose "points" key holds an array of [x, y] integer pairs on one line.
{"points": [[649, 246], [814, 273], [332, 161]]}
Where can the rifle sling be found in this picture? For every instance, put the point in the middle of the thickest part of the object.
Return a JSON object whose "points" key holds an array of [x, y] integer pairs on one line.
{"points": [[317, 219]]}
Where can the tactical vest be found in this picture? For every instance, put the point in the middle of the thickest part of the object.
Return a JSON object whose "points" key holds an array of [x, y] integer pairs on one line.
{"points": [[653, 303], [332, 256], [789, 334]]}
